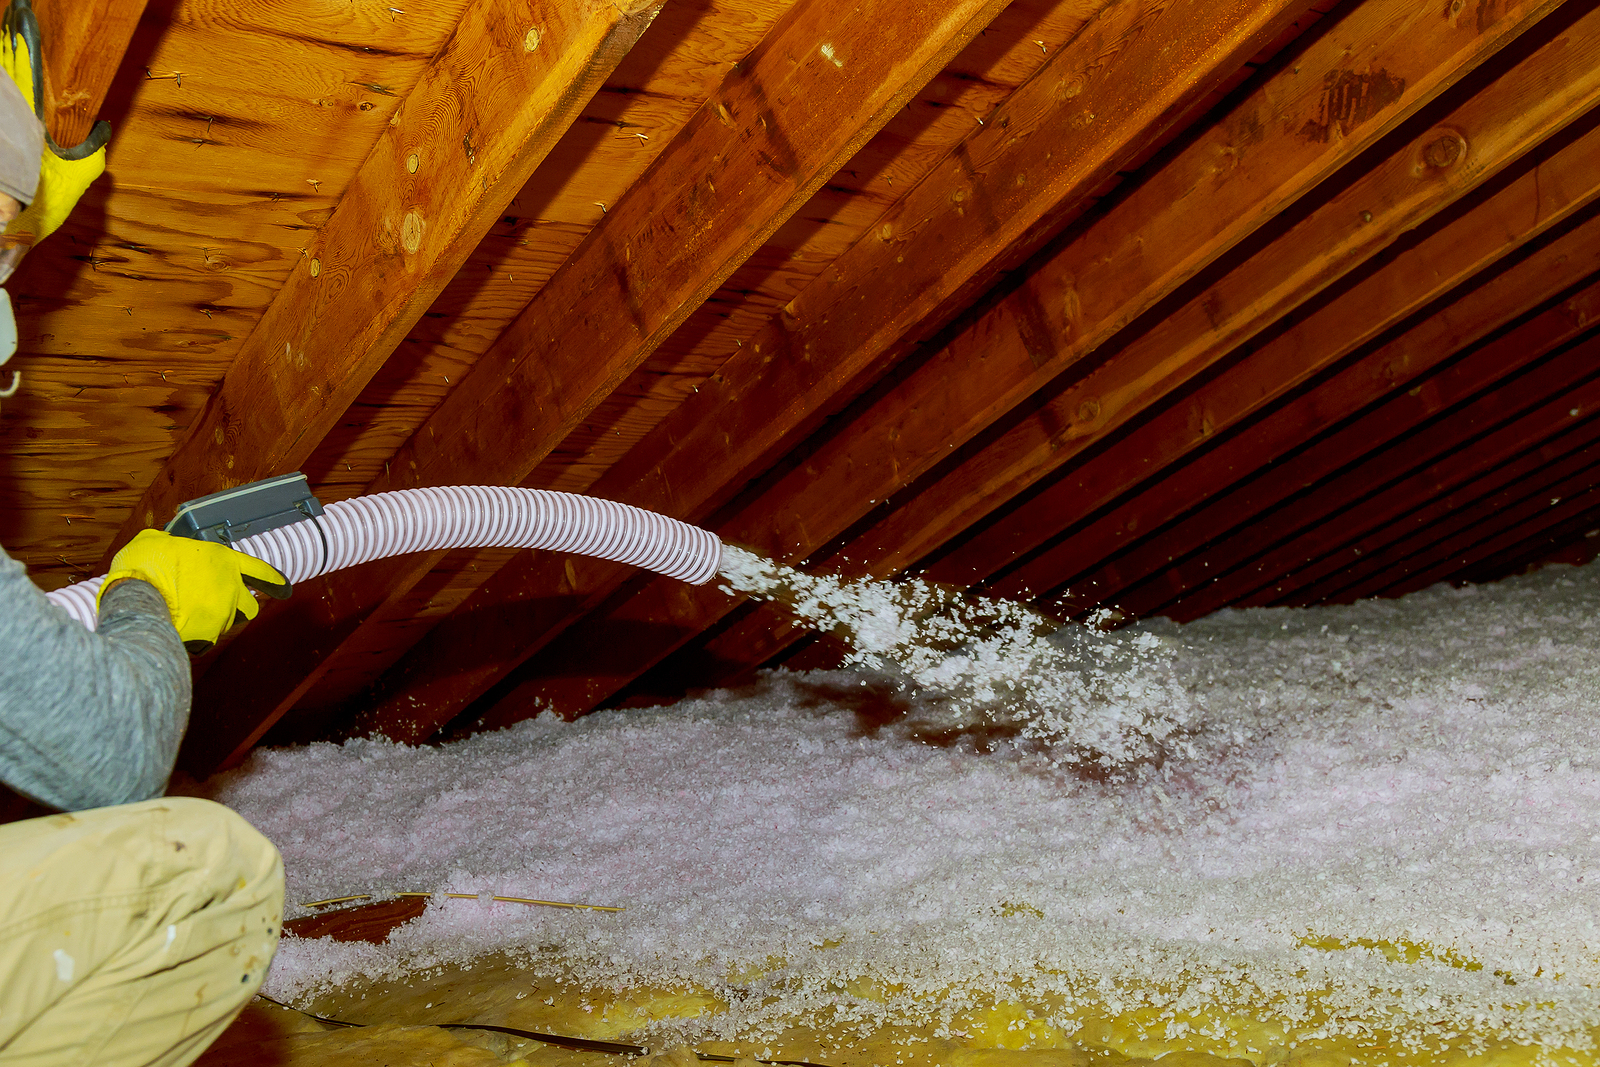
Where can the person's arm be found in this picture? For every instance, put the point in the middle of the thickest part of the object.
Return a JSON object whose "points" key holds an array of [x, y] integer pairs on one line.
{"points": [[88, 719]]}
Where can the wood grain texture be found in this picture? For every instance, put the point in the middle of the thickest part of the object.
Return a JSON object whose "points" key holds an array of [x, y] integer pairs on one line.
{"points": [[1232, 178], [1541, 198], [171, 257], [663, 69], [1488, 132], [1486, 432], [484, 114], [781, 123], [1035, 160], [1198, 502], [370, 922], [83, 46], [765, 632], [909, 146], [1167, 228], [1286, 482], [657, 88], [902, 155], [997, 191]]}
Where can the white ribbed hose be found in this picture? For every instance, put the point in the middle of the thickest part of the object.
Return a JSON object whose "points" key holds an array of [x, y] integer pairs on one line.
{"points": [[465, 516]]}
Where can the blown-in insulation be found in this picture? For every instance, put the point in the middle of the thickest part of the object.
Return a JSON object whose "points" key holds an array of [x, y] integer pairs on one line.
{"points": [[1376, 827]]}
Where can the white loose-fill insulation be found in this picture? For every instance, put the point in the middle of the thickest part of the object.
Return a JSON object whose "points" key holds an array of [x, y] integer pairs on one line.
{"points": [[1419, 772]]}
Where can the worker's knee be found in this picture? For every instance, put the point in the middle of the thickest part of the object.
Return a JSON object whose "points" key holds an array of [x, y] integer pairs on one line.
{"points": [[182, 851], [231, 887], [133, 934], [209, 836]]}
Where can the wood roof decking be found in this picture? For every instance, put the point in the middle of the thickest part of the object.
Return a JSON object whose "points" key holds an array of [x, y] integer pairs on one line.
{"points": [[851, 323], [769, 137], [896, 441], [486, 111], [1151, 304]]}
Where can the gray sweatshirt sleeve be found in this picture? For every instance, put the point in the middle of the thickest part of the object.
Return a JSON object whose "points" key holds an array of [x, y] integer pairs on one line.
{"points": [[88, 719]]}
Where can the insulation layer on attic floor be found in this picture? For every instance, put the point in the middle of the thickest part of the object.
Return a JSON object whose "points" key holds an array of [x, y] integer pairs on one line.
{"points": [[1373, 842], [997, 1036]]}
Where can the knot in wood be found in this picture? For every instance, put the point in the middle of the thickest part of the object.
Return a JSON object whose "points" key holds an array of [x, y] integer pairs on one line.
{"points": [[411, 231], [1444, 150]]}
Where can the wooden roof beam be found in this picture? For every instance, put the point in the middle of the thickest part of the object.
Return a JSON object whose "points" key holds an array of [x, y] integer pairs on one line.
{"points": [[1486, 133], [814, 91], [1445, 527], [1531, 541], [826, 79], [465, 141], [1495, 545], [1177, 221], [1476, 240], [1492, 430], [1226, 487], [1501, 358], [84, 43], [1063, 134]]}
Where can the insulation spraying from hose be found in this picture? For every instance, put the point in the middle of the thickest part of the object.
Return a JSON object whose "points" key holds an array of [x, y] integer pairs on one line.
{"points": [[464, 516], [1090, 697]]}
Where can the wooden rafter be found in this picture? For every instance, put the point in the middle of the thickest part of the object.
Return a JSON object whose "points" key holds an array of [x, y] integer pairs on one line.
{"points": [[1166, 230], [1384, 561], [483, 116], [817, 88], [782, 123], [1201, 503], [651, 95], [83, 46], [1490, 430], [997, 192], [1556, 471], [1198, 503], [1529, 541], [1483, 135], [1449, 257]]}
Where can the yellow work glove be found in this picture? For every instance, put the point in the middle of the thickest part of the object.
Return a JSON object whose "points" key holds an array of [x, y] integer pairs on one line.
{"points": [[206, 585], [61, 181]]}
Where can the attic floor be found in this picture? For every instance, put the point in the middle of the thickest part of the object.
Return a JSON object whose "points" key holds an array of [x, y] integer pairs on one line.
{"points": [[499, 992]]}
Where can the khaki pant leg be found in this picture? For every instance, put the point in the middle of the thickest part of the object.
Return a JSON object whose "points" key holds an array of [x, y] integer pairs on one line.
{"points": [[131, 935]]}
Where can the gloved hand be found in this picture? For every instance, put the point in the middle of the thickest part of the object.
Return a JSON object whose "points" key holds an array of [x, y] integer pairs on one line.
{"points": [[206, 585], [61, 181]]}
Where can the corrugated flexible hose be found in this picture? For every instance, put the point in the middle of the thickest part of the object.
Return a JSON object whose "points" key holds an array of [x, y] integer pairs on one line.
{"points": [[465, 516]]}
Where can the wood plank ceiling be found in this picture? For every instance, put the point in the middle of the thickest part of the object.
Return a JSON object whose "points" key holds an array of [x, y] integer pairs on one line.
{"points": [[1159, 306]]}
